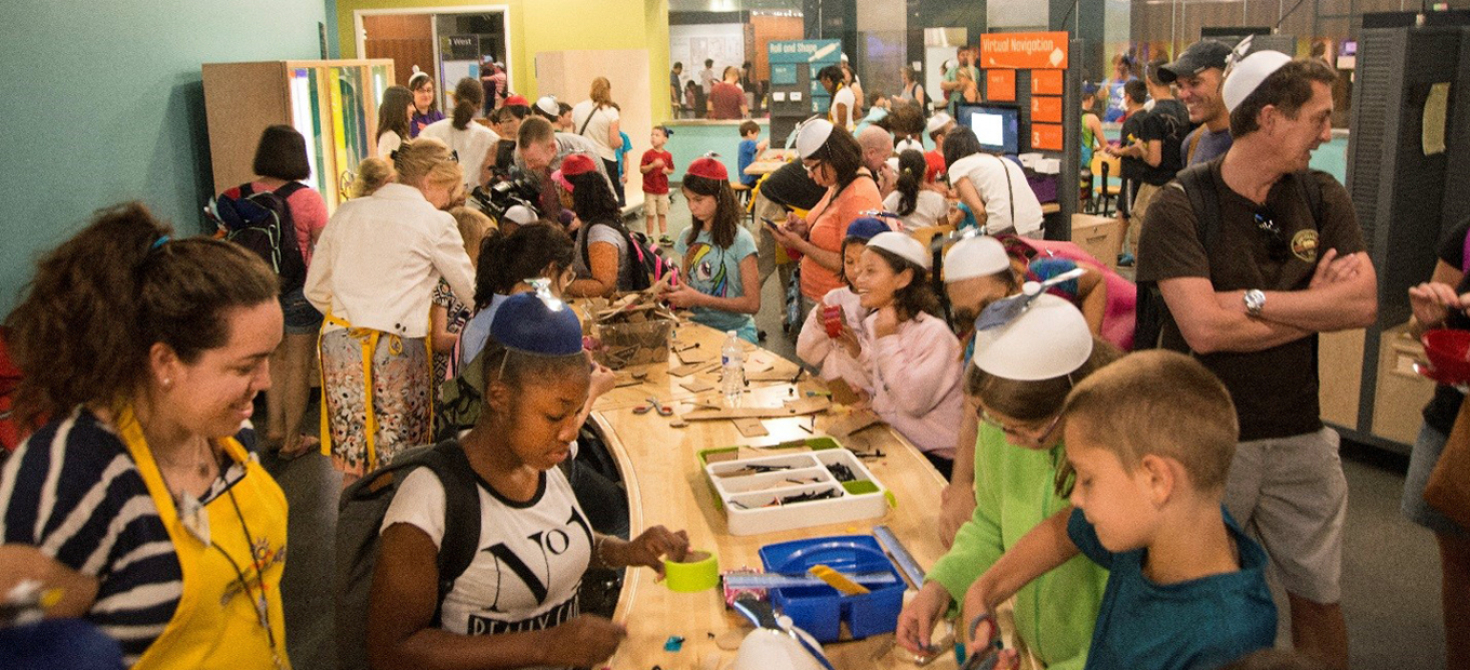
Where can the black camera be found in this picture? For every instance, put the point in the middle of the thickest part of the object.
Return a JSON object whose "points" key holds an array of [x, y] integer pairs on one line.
{"points": [[509, 190]]}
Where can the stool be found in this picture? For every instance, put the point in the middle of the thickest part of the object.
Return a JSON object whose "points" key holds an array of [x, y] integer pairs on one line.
{"points": [[742, 195]]}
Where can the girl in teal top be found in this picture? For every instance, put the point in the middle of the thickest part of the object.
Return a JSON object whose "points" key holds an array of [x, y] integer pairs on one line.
{"points": [[1018, 451], [721, 283]]}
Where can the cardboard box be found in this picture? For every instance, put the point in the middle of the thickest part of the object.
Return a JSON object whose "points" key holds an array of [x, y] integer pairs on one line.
{"points": [[1401, 392], [1101, 236], [633, 329]]}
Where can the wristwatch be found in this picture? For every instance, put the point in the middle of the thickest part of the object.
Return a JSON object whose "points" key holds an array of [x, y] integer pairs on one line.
{"points": [[1255, 301]]}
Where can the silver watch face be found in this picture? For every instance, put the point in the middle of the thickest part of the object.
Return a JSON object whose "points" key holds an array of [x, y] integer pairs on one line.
{"points": [[1255, 300]]}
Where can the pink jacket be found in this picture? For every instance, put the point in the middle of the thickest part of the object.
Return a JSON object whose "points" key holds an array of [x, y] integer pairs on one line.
{"points": [[916, 376], [814, 347]]}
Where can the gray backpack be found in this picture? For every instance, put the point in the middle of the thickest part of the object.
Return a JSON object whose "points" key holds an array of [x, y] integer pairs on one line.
{"points": [[360, 516]]}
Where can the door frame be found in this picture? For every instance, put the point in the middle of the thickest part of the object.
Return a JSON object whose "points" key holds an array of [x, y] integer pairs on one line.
{"points": [[360, 37]]}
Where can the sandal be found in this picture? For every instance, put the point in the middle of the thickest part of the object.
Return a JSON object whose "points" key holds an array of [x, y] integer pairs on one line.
{"points": [[308, 444]]}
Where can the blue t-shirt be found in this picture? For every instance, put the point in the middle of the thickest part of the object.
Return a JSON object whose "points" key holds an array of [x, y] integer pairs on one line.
{"points": [[477, 332], [716, 271], [1195, 625], [747, 156], [1211, 145]]}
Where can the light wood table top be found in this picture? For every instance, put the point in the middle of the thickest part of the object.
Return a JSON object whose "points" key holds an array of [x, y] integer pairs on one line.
{"points": [[666, 485], [770, 161]]}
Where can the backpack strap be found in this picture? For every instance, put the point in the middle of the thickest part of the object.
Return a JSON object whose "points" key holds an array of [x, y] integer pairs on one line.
{"points": [[461, 515], [1204, 200], [290, 188], [595, 110]]}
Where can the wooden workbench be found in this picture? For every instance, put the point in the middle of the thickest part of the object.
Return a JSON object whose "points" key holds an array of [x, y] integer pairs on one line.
{"points": [[770, 161], [667, 486]]}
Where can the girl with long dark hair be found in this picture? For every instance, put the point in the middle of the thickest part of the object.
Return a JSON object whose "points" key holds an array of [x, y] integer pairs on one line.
{"points": [[721, 282], [601, 261], [916, 203], [470, 141], [394, 114]]}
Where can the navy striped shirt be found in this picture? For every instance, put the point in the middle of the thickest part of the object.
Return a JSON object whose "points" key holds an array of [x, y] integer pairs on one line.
{"points": [[73, 490]]}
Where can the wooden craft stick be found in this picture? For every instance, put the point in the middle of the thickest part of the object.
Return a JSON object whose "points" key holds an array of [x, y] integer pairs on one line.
{"points": [[751, 427], [795, 408]]}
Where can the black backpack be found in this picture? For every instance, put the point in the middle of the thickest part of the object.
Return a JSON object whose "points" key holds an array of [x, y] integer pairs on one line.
{"points": [[1197, 182], [262, 223], [360, 516]]}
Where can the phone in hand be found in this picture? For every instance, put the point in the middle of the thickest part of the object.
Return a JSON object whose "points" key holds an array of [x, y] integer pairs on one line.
{"points": [[770, 223]]}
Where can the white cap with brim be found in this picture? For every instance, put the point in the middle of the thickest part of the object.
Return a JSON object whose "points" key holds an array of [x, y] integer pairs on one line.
{"points": [[1247, 74], [811, 136], [936, 122], [978, 256], [903, 246], [1049, 340]]}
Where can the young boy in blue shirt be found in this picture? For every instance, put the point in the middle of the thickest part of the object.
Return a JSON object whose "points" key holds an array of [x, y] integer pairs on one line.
{"points": [[1150, 438], [749, 149]]}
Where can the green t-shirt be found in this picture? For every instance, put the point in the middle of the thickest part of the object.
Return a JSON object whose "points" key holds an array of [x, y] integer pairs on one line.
{"points": [[715, 271]]}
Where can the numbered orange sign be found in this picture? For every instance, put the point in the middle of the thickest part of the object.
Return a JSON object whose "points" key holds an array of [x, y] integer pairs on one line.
{"points": [[1046, 82], [1046, 137], [1000, 85], [1046, 109], [1024, 51]]}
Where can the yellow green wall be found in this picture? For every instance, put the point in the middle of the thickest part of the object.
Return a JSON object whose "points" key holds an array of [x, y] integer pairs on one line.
{"points": [[556, 25]]}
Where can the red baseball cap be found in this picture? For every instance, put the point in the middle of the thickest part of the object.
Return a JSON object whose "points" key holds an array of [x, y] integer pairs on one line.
{"points": [[517, 100], [576, 164], [706, 166]]}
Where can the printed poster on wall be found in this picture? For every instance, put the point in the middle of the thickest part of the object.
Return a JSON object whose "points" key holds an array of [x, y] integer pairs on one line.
{"points": [[1024, 51], [1046, 82], [1046, 137], [1000, 85], [1046, 109]]}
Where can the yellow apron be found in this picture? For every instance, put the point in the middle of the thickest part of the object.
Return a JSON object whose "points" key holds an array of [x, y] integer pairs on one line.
{"points": [[368, 338], [217, 624]]}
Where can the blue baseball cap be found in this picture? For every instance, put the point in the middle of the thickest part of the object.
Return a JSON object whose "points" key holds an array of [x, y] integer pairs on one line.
{"points": [[527, 323]]}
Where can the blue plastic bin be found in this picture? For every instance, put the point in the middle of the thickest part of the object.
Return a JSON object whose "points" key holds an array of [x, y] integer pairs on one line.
{"points": [[820, 610]]}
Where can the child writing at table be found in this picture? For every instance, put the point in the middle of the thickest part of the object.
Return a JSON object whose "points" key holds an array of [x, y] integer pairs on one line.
{"points": [[721, 281], [829, 339], [1150, 439], [516, 603], [911, 356], [1018, 380]]}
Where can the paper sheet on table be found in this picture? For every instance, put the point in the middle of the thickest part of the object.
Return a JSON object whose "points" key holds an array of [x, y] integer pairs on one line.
{"points": [[1435, 107]]}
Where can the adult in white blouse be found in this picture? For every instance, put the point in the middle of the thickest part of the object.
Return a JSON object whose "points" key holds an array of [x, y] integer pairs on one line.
{"points": [[470, 141], [597, 119], [992, 187], [373, 273]]}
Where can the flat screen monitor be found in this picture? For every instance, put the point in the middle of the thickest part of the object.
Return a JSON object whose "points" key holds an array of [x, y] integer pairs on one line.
{"points": [[997, 128]]}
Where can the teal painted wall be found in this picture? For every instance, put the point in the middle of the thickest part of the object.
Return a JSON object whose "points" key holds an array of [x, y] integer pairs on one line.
{"points": [[104, 103]]}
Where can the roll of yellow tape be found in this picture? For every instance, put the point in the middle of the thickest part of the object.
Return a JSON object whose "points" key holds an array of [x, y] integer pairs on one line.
{"points": [[697, 572]]}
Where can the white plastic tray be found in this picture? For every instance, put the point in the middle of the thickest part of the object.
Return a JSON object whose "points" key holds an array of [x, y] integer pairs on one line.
{"points": [[753, 503]]}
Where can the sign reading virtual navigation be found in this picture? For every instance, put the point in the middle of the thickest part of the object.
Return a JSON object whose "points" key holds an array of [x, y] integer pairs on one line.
{"points": [[1024, 51]]}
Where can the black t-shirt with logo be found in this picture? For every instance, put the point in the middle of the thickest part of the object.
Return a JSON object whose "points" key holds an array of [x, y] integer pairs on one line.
{"points": [[1275, 390], [1167, 122]]}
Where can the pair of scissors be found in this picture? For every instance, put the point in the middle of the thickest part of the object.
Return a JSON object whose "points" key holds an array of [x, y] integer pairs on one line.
{"points": [[654, 404]]}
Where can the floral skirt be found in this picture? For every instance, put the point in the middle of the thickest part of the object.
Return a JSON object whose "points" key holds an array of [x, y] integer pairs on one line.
{"points": [[400, 400]]}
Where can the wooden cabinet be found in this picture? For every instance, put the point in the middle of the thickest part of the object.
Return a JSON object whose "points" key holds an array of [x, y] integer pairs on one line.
{"points": [[333, 103]]}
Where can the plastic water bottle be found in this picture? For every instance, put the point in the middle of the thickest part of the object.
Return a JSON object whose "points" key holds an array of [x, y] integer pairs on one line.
{"points": [[732, 369]]}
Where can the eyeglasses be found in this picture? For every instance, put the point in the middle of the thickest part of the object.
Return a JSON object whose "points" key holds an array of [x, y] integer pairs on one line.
{"points": [[1038, 433], [812, 166], [1276, 245]]}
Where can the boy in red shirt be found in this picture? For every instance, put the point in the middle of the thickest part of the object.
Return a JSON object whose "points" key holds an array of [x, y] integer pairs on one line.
{"points": [[656, 167]]}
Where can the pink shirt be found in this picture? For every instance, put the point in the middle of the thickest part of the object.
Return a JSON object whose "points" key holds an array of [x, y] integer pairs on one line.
{"points": [[916, 376], [1119, 315], [814, 347], [308, 213]]}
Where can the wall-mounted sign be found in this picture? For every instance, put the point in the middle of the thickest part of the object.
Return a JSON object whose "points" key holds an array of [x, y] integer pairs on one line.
{"points": [[1046, 137], [1046, 82], [1045, 109], [1000, 85], [1024, 51]]}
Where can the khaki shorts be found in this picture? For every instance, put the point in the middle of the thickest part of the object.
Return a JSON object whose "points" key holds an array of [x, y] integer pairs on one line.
{"points": [[1140, 204], [655, 204], [1291, 493]]}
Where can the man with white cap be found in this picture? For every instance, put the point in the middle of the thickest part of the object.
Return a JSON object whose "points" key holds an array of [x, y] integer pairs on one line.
{"points": [[1278, 259], [1199, 73]]}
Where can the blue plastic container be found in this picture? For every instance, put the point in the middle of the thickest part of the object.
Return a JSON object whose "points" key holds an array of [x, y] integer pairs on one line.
{"points": [[820, 610]]}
